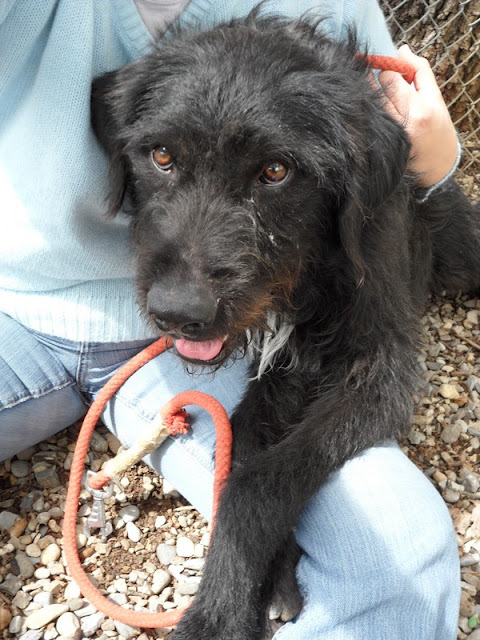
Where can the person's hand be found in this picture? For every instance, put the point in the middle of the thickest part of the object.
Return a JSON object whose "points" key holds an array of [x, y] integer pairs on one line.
{"points": [[420, 108]]}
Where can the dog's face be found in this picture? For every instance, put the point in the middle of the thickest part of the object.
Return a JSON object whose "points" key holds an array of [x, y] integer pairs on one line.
{"points": [[244, 153]]}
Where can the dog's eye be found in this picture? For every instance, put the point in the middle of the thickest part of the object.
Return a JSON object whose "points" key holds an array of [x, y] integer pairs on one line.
{"points": [[274, 173], [162, 158]]}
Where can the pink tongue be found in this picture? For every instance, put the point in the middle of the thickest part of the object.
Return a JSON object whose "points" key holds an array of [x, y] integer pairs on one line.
{"points": [[206, 350]]}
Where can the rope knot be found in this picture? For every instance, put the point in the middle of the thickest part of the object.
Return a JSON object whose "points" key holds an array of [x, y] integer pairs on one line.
{"points": [[176, 423]]}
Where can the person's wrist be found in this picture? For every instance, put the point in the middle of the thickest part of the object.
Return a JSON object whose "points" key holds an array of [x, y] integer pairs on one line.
{"points": [[439, 166], [423, 193]]}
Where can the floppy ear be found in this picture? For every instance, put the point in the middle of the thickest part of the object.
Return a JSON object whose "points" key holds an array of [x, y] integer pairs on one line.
{"points": [[373, 173], [113, 100]]}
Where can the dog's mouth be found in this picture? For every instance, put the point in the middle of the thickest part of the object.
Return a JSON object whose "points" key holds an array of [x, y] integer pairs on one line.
{"points": [[200, 351]]}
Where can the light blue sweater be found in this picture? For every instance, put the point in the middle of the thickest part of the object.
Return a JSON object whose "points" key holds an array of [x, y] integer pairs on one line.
{"points": [[65, 269]]}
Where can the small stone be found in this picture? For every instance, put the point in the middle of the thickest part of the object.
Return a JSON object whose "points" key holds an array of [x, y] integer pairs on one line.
{"points": [[50, 554], [5, 616], [44, 598], [98, 443], [20, 468], [449, 391], [113, 442], [42, 573], [196, 564], [33, 550], [165, 554], [120, 585], [416, 437], [185, 547], [471, 482], [16, 624], [88, 610], [130, 513], [11, 585], [72, 591], [125, 630], [451, 433], [469, 559], [8, 519], [91, 624], [42, 617], [160, 521], [21, 600], [33, 634], [160, 580], [133, 532], [39, 504], [25, 565], [187, 588], [451, 496], [68, 625], [75, 603], [467, 606], [18, 528], [475, 635], [46, 475]]}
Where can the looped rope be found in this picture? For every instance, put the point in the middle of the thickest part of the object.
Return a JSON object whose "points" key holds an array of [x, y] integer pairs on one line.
{"points": [[174, 413]]}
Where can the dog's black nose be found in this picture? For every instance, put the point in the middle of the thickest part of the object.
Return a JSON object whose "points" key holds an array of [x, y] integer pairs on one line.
{"points": [[187, 310]]}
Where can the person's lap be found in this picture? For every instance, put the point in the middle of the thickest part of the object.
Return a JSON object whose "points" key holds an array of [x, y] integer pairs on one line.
{"points": [[380, 557]]}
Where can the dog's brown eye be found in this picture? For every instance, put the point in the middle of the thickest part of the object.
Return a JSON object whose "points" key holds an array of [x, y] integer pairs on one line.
{"points": [[162, 158], [274, 173]]}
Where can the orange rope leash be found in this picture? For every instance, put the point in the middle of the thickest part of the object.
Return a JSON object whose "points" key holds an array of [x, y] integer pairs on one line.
{"points": [[172, 411], [388, 63]]}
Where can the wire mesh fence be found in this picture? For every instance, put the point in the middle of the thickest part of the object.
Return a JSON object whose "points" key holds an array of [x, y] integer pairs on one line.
{"points": [[447, 33]]}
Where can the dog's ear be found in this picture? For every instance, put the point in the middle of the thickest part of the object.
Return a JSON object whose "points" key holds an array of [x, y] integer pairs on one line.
{"points": [[375, 168], [112, 108]]}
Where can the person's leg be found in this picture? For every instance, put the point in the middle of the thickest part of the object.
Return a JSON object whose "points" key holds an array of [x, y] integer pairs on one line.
{"points": [[380, 559], [38, 396]]}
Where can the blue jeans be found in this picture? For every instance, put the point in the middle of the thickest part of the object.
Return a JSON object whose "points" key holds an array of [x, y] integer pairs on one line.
{"points": [[379, 553]]}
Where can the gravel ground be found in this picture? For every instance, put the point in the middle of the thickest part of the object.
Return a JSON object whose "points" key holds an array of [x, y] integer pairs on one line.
{"points": [[154, 558]]}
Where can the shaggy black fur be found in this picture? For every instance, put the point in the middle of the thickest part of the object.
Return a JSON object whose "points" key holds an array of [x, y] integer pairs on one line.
{"points": [[336, 254]]}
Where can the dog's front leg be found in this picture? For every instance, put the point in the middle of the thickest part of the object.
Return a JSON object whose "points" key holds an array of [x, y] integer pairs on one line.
{"points": [[264, 497]]}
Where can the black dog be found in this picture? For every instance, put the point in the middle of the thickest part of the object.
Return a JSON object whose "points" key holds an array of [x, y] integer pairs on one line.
{"points": [[271, 212]]}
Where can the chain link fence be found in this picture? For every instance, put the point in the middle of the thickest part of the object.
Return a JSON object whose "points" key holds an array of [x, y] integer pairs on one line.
{"points": [[447, 33]]}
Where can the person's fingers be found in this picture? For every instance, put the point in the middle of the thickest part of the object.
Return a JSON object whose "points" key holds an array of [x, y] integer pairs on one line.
{"points": [[398, 92], [424, 80]]}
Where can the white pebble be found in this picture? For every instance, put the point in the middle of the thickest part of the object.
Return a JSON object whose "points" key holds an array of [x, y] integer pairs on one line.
{"points": [[44, 598], [91, 624], [50, 554], [185, 547], [68, 625], [33, 550], [42, 573], [43, 616], [125, 630], [160, 580], [165, 554], [133, 532]]}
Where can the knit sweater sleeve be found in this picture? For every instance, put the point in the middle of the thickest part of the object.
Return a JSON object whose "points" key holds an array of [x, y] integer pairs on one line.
{"points": [[5, 8]]}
